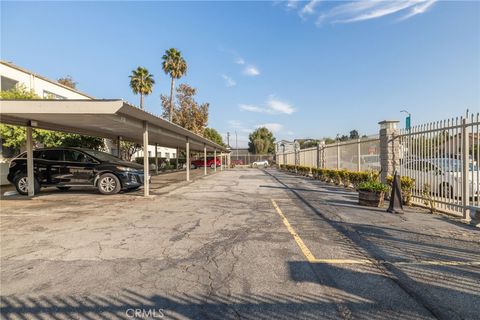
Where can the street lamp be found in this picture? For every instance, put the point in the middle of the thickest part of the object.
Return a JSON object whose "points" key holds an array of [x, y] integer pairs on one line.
{"points": [[408, 119]]}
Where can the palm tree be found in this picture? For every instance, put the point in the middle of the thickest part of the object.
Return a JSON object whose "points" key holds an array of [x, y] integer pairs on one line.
{"points": [[141, 82], [175, 66]]}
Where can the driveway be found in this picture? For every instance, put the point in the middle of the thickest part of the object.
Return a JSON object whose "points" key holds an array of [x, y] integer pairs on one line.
{"points": [[244, 243]]}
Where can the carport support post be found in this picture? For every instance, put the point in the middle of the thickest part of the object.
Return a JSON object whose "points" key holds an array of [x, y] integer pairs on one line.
{"points": [[30, 177], [176, 160], [156, 159], [221, 161], [204, 159], [187, 150], [119, 154], [215, 157], [146, 171]]}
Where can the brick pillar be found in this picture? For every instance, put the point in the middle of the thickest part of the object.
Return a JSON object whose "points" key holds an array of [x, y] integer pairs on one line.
{"points": [[389, 148]]}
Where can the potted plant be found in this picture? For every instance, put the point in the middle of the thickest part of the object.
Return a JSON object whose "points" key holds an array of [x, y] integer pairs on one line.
{"points": [[372, 193]]}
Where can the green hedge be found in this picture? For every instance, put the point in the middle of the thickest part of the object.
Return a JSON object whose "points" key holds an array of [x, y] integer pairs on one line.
{"points": [[339, 177]]}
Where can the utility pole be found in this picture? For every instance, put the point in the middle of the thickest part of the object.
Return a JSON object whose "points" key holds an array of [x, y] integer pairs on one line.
{"points": [[228, 139], [236, 142]]}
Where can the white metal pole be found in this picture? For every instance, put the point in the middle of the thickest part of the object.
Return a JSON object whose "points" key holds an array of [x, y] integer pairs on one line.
{"points": [[176, 158], [204, 159], [119, 154], [221, 161], [215, 157], [338, 155], [146, 169], [156, 158], [187, 163], [359, 164], [465, 171], [30, 173]]}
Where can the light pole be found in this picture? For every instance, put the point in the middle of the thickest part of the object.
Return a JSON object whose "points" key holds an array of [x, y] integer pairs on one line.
{"points": [[408, 119], [236, 143]]}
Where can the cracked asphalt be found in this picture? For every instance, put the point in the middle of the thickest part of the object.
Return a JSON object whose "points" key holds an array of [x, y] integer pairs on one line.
{"points": [[217, 249]]}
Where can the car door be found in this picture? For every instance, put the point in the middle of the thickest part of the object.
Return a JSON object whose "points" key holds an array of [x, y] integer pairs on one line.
{"points": [[79, 168], [52, 163]]}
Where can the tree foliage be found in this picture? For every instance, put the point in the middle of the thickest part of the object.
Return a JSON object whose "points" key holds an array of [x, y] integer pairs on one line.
{"points": [[187, 112], [128, 149], [261, 141], [354, 134], [141, 82], [213, 135], [68, 81], [175, 66]]}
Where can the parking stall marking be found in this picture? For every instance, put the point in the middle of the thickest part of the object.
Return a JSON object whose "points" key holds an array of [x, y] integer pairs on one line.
{"points": [[311, 258]]}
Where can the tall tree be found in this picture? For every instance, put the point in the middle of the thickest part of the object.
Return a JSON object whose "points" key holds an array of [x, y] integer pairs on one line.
{"points": [[175, 66], [141, 82], [354, 134], [213, 135], [188, 113], [261, 141], [68, 81]]}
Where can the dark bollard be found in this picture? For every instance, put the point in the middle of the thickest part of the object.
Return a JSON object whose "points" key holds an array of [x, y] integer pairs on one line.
{"points": [[396, 205]]}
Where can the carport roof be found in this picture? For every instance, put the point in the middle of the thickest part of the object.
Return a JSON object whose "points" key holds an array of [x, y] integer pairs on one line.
{"points": [[101, 118]]}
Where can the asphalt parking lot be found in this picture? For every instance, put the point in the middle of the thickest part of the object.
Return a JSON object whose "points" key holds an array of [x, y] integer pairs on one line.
{"points": [[239, 244]]}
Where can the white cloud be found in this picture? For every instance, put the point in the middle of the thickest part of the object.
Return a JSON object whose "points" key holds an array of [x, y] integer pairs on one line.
{"points": [[251, 71], [278, 106], [234, 123], [362, 10], [229, 82], [309, 8], [272, 106], [418, 9], [251, 108], [239, 60], [274, 127]]}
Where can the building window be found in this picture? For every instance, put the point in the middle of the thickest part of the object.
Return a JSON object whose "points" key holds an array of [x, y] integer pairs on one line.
{"points": [[51, 95], [167, 155], [149, 154], [8, 84], [173, 155]]}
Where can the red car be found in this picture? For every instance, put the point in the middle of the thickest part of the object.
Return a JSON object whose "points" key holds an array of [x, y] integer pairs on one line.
{"points": [[211, 162]]}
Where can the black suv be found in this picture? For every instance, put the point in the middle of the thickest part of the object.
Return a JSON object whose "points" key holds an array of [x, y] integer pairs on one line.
{"points": [[73, 167]]}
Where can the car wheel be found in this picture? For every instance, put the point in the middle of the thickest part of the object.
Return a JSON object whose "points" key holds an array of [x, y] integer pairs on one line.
{"points": [[64, 188], [212, 166], [254, 165], [21, 184], [108, 184]]}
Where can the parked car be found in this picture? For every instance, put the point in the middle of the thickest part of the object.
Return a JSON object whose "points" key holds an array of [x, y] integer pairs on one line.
{"points": [[65, 168], [211, 162], [237, 162], [259, 163], [442, 174]]}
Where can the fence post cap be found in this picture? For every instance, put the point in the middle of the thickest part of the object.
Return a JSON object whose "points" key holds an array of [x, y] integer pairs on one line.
{"points": [[388, 124]]}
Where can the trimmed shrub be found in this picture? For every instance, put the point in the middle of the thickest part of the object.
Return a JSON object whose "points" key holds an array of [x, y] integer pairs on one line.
{"points": [[406, 184]]}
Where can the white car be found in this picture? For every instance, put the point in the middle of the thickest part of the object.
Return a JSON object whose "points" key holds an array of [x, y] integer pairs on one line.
{"points": [[259, 163], [443, 175]]}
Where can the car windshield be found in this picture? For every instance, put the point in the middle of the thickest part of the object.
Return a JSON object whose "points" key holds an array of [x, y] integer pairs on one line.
{"points": [[102, 156], [453, 165]]}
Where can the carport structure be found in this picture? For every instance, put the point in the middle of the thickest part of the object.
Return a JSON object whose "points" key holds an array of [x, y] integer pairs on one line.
{"points": [[111, 119]]}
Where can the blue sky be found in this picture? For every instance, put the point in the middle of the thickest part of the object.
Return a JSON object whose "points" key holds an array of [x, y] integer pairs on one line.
{"points": [[304, 69]]}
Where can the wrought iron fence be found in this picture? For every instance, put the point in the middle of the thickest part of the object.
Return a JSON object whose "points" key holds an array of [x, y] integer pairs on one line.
{"points": [[443, 158]]}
